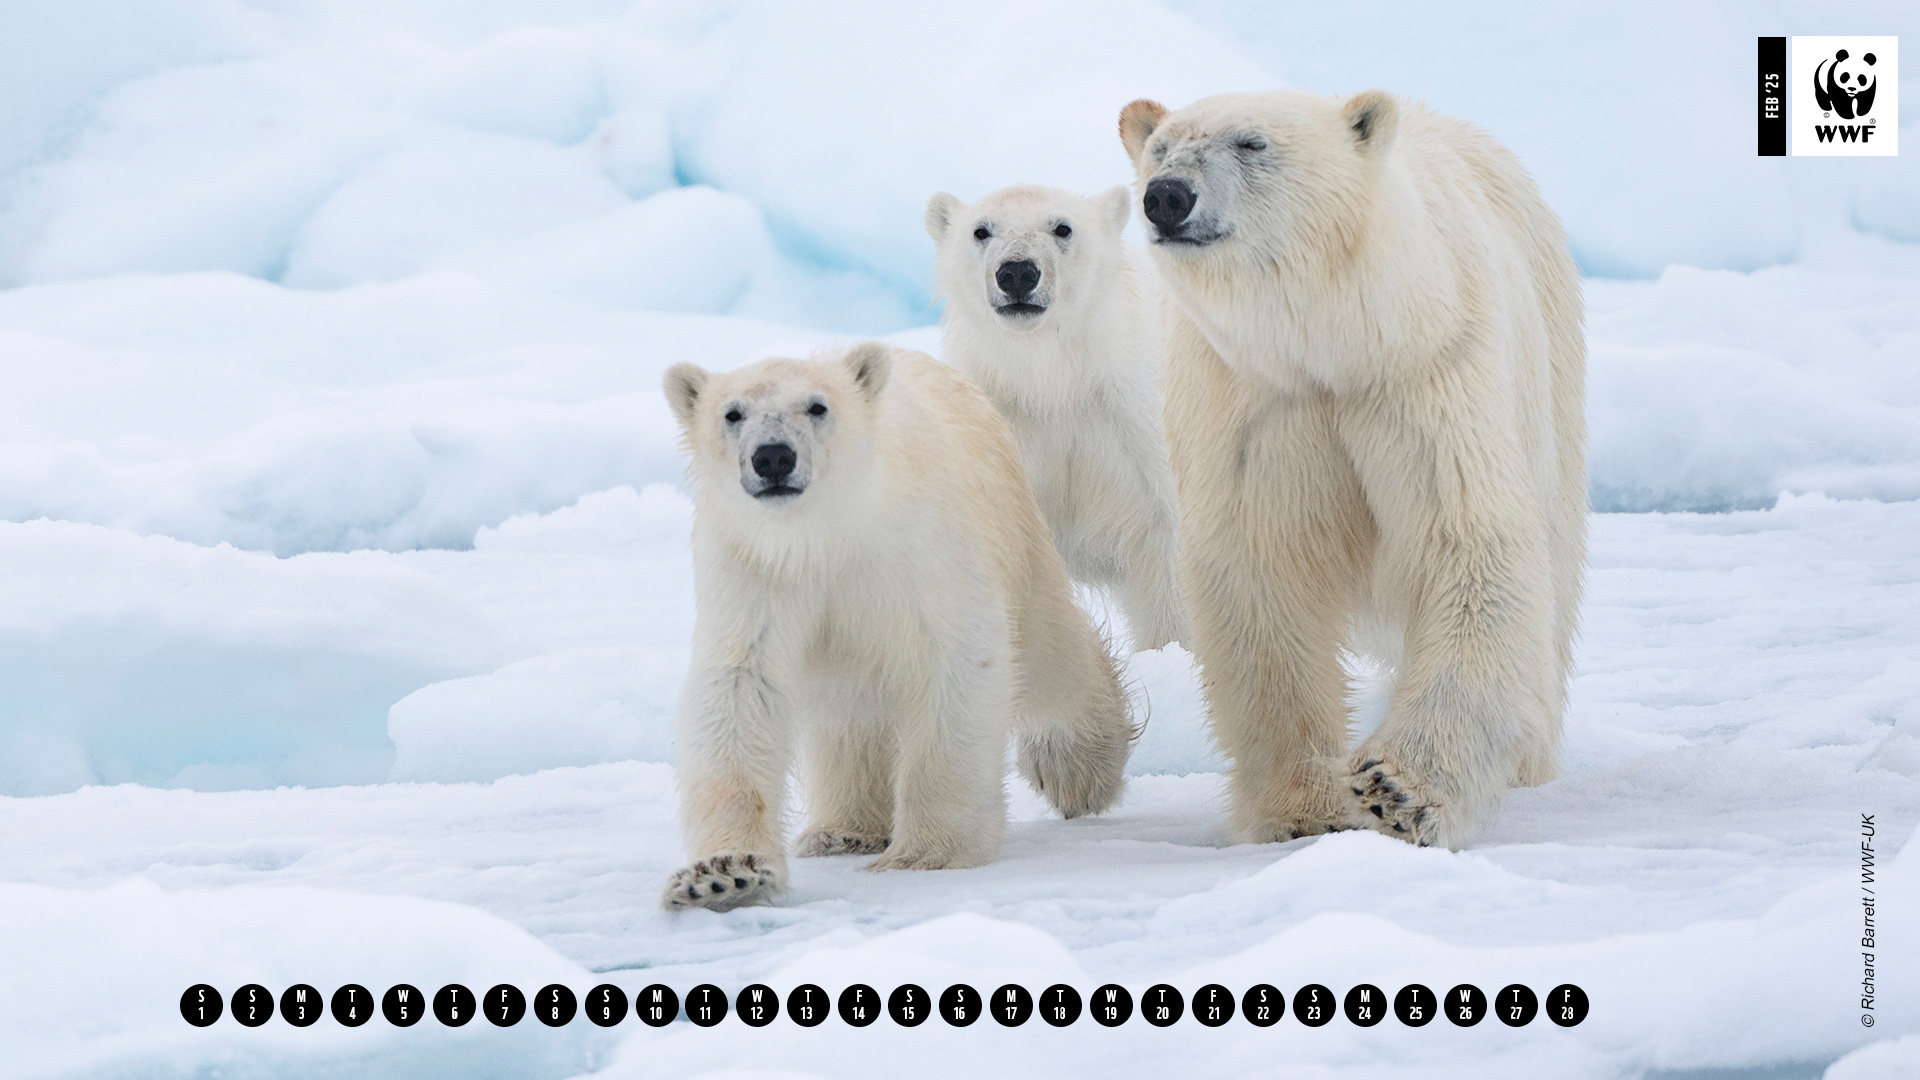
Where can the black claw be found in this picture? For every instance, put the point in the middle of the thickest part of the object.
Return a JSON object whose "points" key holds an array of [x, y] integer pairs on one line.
{"points": [[1295, 834], [717, 887], [1357, 791], [1377, 812], [693, 893], [1397, 827], [1368, 764], [1399, 798], [739, 883]]}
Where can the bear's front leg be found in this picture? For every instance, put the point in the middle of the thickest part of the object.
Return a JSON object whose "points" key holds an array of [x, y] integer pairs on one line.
{"points": [[1275, 541], [949, 796], [731, 753], [846, 765], [1462, 538]]}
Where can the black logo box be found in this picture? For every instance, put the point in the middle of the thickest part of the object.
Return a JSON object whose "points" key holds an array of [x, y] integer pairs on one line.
{"points": [[907, 1005]]}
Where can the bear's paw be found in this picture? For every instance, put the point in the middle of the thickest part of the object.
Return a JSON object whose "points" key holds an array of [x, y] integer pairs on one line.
{"points": [[1391, 800], [817, 842], [724, 882]]}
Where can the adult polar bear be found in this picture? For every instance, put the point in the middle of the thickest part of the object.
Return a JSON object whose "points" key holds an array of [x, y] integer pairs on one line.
{"points": [[1374, 384], [1049, 312], [874, 587]]}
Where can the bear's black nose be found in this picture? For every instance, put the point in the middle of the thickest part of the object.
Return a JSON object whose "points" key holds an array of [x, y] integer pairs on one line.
{"points": [[773, 461], [1018, 279], [1167, 202]]}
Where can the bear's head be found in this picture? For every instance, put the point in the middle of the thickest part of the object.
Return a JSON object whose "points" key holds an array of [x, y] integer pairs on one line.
{"points": [[1846, 84], [1264, 176], [1025, 251], [780, 434]]}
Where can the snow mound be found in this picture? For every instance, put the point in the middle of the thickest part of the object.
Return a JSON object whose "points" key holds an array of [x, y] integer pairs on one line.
{"points": [[150, 945], [922, 98], [145, 659], [1714, 390]]}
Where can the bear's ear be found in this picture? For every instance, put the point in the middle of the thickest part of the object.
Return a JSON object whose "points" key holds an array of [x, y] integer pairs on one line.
{"points": [[1372, 116], [1117, 204], [1137, 123], [870, 362], [940, 210], [683, 385]]}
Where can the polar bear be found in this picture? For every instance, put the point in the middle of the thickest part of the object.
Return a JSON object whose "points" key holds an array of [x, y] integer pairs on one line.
{"points": [[1374, 383], [877, 596], [1052, 314]]}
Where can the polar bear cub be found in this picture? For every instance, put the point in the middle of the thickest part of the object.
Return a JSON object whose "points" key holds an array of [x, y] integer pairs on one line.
{"points": [[1053, 315], [878, 598], [1374, 384]]}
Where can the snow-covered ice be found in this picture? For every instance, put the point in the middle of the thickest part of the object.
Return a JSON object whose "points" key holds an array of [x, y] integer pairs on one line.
{"points": [[346, 591]]}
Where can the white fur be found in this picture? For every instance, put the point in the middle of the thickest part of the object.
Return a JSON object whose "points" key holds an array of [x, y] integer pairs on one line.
{"points": [[1078, 384], [1374, 384], [885, 627]]}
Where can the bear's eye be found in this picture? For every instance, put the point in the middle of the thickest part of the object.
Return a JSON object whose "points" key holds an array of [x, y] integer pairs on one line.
{"points": [[981, 233], [816, 409], [1254, 142], [1063, 231], [734, 416]]}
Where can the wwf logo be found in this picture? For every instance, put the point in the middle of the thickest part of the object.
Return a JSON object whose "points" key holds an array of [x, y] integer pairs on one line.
{"points": [[1845, 87]]}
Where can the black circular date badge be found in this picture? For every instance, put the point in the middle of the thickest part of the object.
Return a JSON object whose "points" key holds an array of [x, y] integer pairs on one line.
{"points": [[1161, 1005], [757, 1005], [402, 1005], [1011, 1005], [1313, 1005], [1365, 1006], [1213, 1005], [1566, 1005], [201, 1004], [1414, 1005], [555, 1005], [657, 1005], [1059, 1004], [909, 1005], [606, 1005], [351, 1005], [808, 1005], [859, 1005], [504, 1005], [1263, 1005], [252, 1005], [1111, 1005], [706, 1005], [1516, 1005], [960, 1005], [453, 1005], [1465, 1005], [300, 1005]]}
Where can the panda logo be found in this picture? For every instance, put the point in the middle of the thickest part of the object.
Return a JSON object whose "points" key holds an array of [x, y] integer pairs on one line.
{"points": [[1845, 88]]}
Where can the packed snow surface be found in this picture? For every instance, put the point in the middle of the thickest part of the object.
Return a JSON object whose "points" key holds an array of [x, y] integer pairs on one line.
{"points": [[346, 592]]}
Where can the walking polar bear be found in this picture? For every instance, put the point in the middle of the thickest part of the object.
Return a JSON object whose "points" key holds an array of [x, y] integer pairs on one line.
{"points": [[1049, 312], [877, 595], [1374, 383]]}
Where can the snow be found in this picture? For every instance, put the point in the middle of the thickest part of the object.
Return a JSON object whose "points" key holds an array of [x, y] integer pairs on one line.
{"points": [[347, 590]]}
